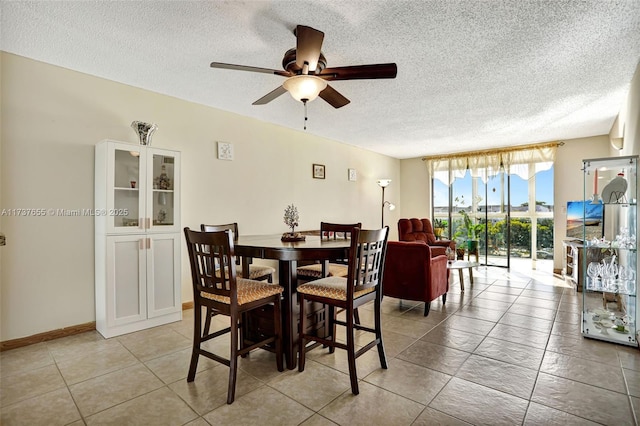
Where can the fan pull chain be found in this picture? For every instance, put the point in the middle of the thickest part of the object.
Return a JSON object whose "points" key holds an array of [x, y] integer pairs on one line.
{"points": [[304, 102]]}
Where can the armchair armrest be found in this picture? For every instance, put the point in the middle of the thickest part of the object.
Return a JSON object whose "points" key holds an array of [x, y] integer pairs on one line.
{"points": [[439, 276], [444, 243]]}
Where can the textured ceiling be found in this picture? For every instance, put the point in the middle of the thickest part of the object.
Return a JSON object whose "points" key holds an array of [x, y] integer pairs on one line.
{"points": [[471, 74]]}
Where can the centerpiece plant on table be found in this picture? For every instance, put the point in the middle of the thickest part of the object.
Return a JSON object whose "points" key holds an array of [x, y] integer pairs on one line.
{"points": [[291, 218]]}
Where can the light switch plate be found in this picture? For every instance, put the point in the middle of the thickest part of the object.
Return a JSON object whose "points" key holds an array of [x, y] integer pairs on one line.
{"points": [[353, 175]]}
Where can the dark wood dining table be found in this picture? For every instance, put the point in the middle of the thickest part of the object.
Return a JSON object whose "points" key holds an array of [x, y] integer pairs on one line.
{"points": [[288, 254]]}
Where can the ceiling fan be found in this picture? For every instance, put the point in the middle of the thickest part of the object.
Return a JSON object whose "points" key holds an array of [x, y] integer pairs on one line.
{"points": [[307, 74]]}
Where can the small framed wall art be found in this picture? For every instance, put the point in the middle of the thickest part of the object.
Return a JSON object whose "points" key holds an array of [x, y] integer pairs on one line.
{"points": [[318, 171], [352, 175], [225, 151]]}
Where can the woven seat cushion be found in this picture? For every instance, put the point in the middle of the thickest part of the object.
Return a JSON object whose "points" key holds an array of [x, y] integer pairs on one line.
{"points": [[332, 288], [315, 270], [248, 291], [258, 271], [255, 271]]}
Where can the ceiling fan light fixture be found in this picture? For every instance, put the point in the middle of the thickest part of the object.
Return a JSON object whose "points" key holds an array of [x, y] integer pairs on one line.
{"points": [[304, 87]]}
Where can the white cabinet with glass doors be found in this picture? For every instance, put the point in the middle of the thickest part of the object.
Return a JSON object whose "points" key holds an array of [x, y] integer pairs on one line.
{"points": [[137, 235]]}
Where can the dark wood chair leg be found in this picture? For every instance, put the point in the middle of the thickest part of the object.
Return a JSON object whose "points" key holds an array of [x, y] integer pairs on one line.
{"points": [[197, 336], [351, 352], [207, 320], [378, 327], [332, 325], [277, 321], [233, 360], [356, 316], [328, 331], [301, 342], [241, 326], [444, 298]]}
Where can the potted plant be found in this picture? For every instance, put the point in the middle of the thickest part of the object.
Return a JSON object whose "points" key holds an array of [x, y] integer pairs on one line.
{"points": [[438, 228], [472, 236], [460, 249]]}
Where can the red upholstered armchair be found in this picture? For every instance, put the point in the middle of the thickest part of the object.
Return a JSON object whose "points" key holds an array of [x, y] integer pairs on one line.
{"points": [[410, 273], [421, 230]]}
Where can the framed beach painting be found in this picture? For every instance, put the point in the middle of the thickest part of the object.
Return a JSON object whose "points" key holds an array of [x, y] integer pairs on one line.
{"points": [[593, 215]]}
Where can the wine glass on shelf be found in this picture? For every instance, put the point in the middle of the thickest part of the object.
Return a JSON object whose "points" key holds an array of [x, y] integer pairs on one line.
{"points": [[609, 273], [623, 277], [628, 277], [593, 271]]}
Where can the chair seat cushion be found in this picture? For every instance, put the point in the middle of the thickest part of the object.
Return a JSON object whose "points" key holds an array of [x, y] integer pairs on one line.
{"points": [[332, 288], [259, 271], [315, 270], [255, 271], [248, 291]]}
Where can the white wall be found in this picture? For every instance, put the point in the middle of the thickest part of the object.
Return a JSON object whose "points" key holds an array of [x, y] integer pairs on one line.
{"points": [[51, 120], [569, 183], [629, 118], [416, 188]]}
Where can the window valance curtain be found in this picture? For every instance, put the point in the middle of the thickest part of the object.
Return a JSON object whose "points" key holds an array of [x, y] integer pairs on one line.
{"points": [[488, 163]]}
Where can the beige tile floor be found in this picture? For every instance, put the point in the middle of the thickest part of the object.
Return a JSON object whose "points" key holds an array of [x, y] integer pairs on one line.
{"points": [[507, 351]]}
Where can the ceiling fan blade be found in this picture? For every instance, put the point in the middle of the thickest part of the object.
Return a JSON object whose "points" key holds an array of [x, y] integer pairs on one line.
{"points": [[270, 96], [333, 97], [308, 46], [248, 68], [360, 72]]}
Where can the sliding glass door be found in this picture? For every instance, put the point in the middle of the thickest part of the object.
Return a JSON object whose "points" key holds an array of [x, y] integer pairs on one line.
{"points": [[494, 215], [509, 212]]}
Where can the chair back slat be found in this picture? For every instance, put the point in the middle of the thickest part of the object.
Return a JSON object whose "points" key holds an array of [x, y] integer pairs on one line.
{"points": [[366, 265], [213, 268], [217, 228], [233, 227], [333, 231]]}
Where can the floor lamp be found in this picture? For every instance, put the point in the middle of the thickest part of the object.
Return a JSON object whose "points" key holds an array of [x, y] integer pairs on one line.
{"points": [[383, 184]]}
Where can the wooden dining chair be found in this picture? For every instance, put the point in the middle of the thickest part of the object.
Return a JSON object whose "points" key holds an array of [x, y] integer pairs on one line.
{"points": [[256, 272], [362, 284], [217, 287], [328, 231], [315, 271]]}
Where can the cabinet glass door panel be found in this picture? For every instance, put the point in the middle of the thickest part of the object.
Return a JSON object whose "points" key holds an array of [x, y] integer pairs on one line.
{"points": [[162, 202], [163, 208], [126, 189]]}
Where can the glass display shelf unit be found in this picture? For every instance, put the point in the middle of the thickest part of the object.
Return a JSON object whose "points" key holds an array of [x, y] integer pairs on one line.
{"points": [[610, 294]]}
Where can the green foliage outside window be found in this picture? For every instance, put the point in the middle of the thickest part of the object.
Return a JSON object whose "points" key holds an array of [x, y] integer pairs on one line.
{"points": [[496, 235]]}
